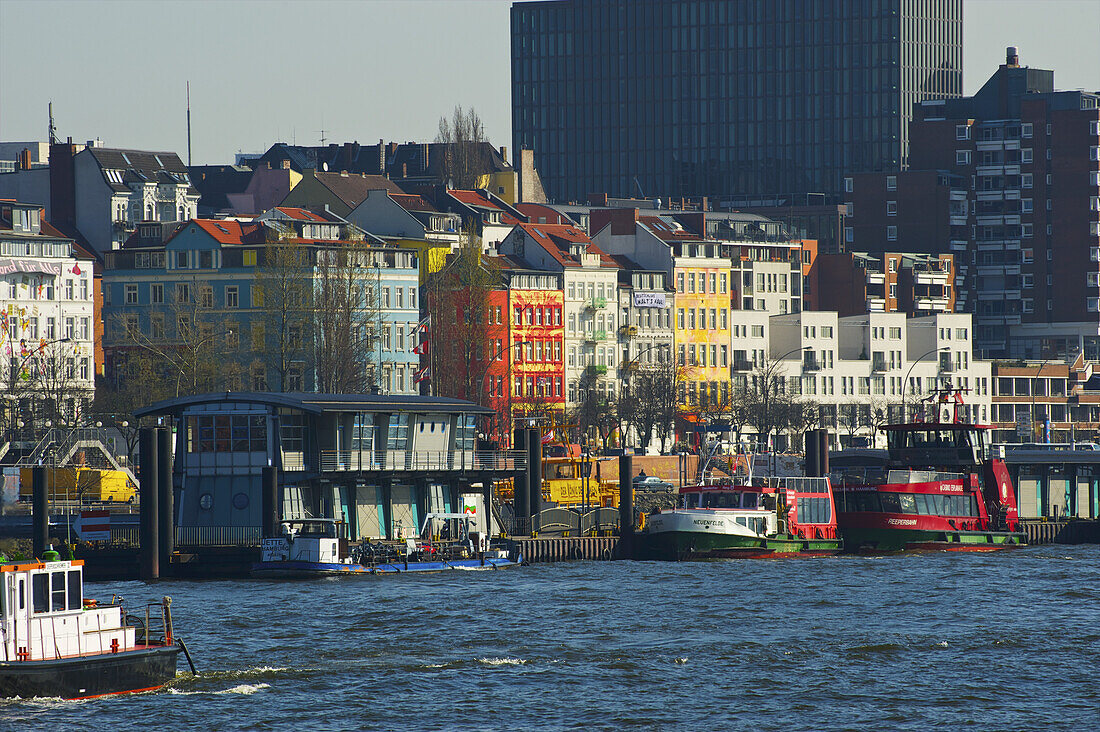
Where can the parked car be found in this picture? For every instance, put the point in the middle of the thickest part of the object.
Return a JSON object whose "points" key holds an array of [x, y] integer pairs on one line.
{"points": [[652, 484]]}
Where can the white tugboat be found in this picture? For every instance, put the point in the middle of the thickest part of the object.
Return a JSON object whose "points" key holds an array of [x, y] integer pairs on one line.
{"points": [[58, 644]]}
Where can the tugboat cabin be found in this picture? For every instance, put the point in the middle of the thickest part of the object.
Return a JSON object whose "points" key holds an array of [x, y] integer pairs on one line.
{"points": [[43, 614]]}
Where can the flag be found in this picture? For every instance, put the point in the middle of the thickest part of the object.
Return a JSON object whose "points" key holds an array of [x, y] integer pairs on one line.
{"points": [[420, 348], [424, 325], [423, 374], [548, 437]]}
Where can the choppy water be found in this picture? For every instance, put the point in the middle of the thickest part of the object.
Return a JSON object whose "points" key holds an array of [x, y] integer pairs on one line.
{"points": [[997, 641]]}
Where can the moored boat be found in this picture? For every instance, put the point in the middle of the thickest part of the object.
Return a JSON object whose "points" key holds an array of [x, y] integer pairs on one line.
{"points": [[316, 548], [752, 518], [940, 489], [58, 644]]}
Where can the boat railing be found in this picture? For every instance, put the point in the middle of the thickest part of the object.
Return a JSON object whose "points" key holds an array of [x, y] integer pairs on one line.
{"points": [[154, 626], [878, 476], [371, 460]]}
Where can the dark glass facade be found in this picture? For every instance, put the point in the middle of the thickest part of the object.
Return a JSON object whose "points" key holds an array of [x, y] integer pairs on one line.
{"points": [[724, 98]]}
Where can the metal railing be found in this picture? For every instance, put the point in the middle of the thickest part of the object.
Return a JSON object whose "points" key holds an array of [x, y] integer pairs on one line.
{"points": [[187, 536], [879, 476], [567, 522], [368, 460]]}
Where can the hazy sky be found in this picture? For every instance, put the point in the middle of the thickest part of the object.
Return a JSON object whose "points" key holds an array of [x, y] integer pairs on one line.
{"points": [[262, 72]]}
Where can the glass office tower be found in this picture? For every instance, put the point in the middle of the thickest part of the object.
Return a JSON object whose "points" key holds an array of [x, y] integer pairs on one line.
{"points": [[724, 98]]}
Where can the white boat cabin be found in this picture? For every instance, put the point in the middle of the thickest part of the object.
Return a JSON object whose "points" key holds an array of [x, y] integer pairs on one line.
{"points": [[307, 540], [43, 615]]}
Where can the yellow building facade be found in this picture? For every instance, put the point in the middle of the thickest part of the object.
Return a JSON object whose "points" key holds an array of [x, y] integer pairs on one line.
{"points": [[702, 329]]}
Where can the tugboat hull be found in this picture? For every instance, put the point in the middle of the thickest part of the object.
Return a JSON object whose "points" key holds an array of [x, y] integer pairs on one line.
{"points": [[686, 545], [143, 669]]}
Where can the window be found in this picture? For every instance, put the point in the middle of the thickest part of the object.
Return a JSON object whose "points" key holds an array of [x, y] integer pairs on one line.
{"points": [[206, 296], [891, 208], [248, 257], [232, 296], [131, 294], [183, 293], [962, 132], [891, 182], [891, 233], [849, 185], [962, 157], [1027, 129], [849, 234], [1026, 155]]}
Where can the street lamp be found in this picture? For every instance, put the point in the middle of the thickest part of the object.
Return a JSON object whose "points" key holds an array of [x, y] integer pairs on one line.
{"points": [[1035, 383], [905, 381], [769, 375]]}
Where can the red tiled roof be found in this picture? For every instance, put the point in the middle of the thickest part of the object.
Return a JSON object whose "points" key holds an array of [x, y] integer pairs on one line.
{"points": [[557, 238], [473, 198], [228, 232], [664, 231], [299, 214]]}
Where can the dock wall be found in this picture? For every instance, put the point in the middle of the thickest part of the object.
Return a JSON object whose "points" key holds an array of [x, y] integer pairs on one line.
{"points": [[1074, 531], [566, 549]]}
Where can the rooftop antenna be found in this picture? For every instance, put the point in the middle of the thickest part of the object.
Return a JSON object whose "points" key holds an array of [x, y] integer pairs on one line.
{"points": [[189, 124], [322, 130], [52, 137]]}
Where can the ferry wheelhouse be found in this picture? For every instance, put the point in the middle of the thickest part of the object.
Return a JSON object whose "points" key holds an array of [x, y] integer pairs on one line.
{"points": [[940, 489], [761, 517], [58, 644]]}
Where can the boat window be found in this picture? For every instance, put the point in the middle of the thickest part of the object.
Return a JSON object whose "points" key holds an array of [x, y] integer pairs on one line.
{"points": [[22, 594], [40, 592], [58, 594], [748, 500], [890, 502], [75, 595], [741, 520], [907, 503], [922, 504]]}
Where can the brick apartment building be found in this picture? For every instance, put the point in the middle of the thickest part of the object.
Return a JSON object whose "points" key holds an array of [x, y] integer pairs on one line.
{"points": [[915, 284], [1007, 180]]}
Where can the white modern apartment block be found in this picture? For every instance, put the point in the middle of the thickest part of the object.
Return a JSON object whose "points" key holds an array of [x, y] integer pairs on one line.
{"points": [[48, 304], [861, 370]]}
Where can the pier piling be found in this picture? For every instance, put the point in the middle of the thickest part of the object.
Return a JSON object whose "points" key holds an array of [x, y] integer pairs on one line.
{"points": [[40, 529], [166, 544], [626, 507], [149, 479], [270, 506]]}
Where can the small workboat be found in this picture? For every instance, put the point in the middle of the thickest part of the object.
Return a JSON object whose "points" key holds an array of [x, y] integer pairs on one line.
{"points": [[750, 518], [318, 547], [56, 643], [942, 488]]}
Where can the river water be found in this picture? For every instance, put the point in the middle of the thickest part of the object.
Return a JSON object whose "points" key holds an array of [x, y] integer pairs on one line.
{"points": [[937, 641]]}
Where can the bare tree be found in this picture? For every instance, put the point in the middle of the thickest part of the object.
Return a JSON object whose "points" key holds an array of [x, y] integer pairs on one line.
{"points": [[284, 283], [800, 415], [465, 158], [140, 379], [462, 335], [345, 319], [661, 388]]}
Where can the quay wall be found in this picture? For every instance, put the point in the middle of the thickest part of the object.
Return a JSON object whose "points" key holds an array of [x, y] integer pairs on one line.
{"points": [[566, 549], [1075, 531]]}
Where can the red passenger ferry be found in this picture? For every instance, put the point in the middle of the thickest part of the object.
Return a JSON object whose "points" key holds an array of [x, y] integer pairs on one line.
{"points": [[940, 489]]}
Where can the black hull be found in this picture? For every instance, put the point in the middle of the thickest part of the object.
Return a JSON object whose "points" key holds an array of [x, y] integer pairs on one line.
{"points": [[78, 678]]}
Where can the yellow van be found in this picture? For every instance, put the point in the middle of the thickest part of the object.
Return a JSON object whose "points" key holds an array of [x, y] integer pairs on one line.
{"points": [[87, 485]]}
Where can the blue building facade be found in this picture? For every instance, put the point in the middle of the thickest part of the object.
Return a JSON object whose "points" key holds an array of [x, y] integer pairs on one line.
{"points": [[180, 289]]}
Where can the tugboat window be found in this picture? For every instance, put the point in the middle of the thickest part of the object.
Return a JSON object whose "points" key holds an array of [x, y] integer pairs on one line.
{"points": [[75, 599], [40, 593], [58, 594]]}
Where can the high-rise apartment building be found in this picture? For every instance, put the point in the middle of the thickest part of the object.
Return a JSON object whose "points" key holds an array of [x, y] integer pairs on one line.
{"points": [[1007, 180], [719, 98]]}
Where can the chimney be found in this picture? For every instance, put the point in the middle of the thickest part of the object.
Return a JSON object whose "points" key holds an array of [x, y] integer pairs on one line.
{"points": [[424, 157], [1012, 58], [25, 159], [404, 170], [381, 157], [504, 152]]}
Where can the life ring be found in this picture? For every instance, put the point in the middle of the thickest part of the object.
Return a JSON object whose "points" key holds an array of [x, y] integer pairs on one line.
{"points": [[606, 555], [90, 603]]}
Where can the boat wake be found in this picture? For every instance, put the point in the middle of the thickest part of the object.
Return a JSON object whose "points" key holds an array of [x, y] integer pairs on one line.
{"points": [[246, 689], [502, 661]]}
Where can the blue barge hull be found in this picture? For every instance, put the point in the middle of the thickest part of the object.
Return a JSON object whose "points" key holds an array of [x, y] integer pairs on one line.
{"points": [[297, 569]]}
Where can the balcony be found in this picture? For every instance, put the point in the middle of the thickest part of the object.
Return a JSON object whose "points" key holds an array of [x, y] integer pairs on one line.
{"points": [[810, 364], [594, 336], [876, 304], [878, 364], [595, 303], [741, 365], [947, 367], [595, 370], [629, 366], [335, 461], [930, 278], [876, 278]]}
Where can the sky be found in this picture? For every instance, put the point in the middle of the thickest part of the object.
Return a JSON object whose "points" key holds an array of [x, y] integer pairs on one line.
{"points": [[263, 71]]}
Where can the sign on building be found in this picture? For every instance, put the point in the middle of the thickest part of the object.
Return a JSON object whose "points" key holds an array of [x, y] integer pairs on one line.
{"points": [[649, 299]]}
